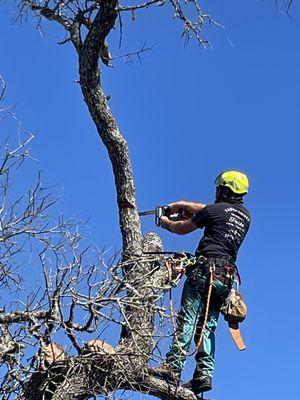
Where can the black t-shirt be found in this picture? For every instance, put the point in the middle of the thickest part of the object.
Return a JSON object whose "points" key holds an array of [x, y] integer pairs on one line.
{"points": [[225, 225]]}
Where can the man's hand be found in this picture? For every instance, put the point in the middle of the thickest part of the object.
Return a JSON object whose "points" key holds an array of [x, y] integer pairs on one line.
{"points": [[177, 205], [165, 222]]}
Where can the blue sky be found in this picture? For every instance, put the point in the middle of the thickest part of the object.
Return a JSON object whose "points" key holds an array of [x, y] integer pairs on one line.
{"points": [[187, 114]]}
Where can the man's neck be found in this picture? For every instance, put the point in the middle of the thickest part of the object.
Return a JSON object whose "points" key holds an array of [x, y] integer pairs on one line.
{"points": [[231, 200]]}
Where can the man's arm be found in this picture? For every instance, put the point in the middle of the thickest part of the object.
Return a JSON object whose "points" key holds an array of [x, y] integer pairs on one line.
{"points": [[190, 207], [179, 227]]}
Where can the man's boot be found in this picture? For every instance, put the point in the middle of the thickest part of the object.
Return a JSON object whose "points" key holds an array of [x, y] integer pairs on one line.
{"points": [[199, 385], [166, 373]]}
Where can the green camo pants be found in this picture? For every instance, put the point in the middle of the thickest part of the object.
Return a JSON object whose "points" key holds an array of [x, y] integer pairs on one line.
{"points": [[190, 320]]}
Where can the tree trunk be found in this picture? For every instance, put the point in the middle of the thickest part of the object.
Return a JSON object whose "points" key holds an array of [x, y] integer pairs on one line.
{"points": [[139, 319], [107, 127]]}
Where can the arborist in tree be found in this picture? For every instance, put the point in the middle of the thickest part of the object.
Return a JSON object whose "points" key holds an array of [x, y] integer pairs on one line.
{"points": [[225, 224]]}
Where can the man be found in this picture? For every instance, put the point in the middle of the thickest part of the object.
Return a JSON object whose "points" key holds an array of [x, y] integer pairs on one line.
{"points": [[226, 223]]}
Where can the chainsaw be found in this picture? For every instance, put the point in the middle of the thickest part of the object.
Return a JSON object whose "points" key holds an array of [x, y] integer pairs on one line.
{"points": [[165, 211]]}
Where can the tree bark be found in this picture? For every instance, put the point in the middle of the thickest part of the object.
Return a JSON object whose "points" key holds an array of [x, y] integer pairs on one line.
{"points": [[107, 127]]}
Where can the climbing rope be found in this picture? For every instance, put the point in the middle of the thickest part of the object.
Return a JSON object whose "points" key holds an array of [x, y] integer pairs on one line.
{"points": [[211, 278]]}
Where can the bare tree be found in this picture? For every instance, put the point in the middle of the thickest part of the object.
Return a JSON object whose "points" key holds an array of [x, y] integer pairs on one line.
{"points": [[133, 291], [79, 284], [79, 297]]}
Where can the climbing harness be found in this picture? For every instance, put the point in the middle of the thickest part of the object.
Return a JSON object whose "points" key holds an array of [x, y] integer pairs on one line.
{"points": [[177, 263]]}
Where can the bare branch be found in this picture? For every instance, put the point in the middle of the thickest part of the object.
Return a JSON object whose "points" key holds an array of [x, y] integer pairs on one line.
{"points": [[128, 56], [50, 14], [287, 4], [23, 316], [147, 4], [3, 88]]}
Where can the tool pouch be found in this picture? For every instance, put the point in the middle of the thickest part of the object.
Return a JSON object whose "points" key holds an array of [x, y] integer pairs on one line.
{"points": [[234, 308]]}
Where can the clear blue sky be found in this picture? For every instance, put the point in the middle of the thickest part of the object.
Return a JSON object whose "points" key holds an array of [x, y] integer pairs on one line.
{"points": [[187, 114]]}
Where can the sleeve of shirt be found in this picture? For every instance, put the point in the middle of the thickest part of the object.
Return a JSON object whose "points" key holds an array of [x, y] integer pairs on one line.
{"points": [[201, 218]]}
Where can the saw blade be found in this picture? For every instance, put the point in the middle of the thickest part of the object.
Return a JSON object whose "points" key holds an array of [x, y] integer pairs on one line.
{"points": [[150, 212]]}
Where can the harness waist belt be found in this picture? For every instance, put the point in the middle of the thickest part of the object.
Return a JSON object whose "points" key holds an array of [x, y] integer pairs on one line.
{"points": [[223, 267]]}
